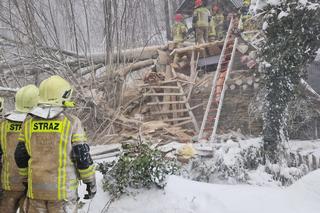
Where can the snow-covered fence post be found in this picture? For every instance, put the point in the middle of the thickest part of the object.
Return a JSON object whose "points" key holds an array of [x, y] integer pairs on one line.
{"points": [[292, 38]]}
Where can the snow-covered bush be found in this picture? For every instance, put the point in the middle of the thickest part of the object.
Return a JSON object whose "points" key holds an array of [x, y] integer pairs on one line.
{"points": [[231, 162], [138, 167], [242, 162], [292, 39]]}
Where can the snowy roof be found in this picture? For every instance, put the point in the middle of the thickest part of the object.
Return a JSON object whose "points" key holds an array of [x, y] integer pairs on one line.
{"points": [[187, 6]]}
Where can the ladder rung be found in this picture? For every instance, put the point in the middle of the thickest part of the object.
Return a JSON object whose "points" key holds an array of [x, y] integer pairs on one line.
{"points": [[163, 103], [163, 94], [213, 110], [211, 117], [183, 123], [169, 112], [177, 119], [160, 87]]}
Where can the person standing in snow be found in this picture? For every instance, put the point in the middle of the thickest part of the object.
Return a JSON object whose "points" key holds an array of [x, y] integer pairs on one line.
{"points": [[14, 191], [52, 153], [200, 21]]}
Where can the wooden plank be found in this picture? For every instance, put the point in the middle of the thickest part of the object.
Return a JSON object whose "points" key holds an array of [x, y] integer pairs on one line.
{"points": [[169, 112], [177, 119], [157, 101], [160, 87], [183, 123], [167, 102], [163, 94]]}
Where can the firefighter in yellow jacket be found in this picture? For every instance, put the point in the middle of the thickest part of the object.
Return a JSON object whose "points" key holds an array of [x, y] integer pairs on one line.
{"points": [[200, 21], [52, 153], [179, 33], [218, 21], [10, 126]]}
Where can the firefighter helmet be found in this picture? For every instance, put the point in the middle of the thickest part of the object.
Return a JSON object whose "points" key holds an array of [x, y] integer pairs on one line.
{"points": [[198, 3], [26, 98], [55, 91], [178, 17]]}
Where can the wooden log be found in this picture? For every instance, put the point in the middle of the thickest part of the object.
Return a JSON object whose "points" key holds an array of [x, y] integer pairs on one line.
{"points": [[239, 82], [232, 87], [131, 55], [134, 66], [197, 48]]}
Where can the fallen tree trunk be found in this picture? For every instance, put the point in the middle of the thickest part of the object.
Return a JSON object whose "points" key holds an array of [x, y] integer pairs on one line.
{"points": [[134, 66], [130, 55], [189, 49]]}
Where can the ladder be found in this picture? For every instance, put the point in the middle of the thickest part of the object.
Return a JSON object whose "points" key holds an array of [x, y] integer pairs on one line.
{"points": [[212, 114], [170, 101]]}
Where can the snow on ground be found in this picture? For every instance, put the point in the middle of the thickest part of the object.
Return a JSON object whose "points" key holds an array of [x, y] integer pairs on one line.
{"points": [[185, 196]]}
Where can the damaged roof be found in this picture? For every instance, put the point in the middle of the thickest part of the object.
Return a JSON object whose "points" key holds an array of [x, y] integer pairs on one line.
{"points": [[187, 6]]}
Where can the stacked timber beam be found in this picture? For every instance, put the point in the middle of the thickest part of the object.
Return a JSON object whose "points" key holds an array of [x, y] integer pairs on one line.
{"points": [[169, 97]]}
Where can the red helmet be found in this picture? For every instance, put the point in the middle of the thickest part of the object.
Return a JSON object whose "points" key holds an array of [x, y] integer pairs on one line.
{"points": [[178, 17], [198, 3]]}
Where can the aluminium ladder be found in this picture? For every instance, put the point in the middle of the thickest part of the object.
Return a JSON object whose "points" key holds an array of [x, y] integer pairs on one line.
{"points": [[212, 114]]}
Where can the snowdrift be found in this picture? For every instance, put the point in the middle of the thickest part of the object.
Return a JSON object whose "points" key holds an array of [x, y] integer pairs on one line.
{"points": [[185, 196]]}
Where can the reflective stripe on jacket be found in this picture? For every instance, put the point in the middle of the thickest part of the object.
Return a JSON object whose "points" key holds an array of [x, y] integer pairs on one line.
{"points": [[52, 173], [9, 134], [202, 15], [212, 28], [218, 18], [179, 31]]}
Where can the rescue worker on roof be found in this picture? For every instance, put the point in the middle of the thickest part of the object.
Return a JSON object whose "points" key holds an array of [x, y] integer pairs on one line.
{"points": [[52, 153], [179, 34], [217, 21], [200, 21], [14, 191]]}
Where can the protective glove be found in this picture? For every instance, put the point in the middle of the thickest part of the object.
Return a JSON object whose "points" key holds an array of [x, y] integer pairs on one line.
{"points": [[91, 189]]}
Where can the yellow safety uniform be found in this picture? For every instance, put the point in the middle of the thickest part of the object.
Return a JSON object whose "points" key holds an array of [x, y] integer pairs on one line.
{"points": [[52, 174], [11, 181], [201, 17], [179, 31], [54, 168], [218, 20]]}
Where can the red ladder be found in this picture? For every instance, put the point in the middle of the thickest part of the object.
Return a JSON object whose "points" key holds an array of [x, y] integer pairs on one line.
{"points": [[214, 106]]}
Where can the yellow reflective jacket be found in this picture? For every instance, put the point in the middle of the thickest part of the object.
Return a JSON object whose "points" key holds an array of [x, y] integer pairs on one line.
{"points": [[212, 28], [218, 18], [179, 31], [52, 173], [202, 15], [9, 134]]}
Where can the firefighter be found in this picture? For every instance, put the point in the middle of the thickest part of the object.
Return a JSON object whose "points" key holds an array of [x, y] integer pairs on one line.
{"points": [[218, 20], [52, 153], [212, 30], [14, 190], [179, 34], [200, 21]]}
